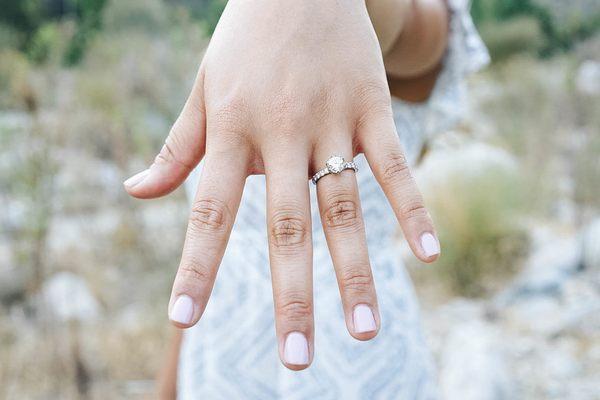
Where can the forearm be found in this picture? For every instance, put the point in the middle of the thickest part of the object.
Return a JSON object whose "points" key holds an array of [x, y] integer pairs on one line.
{"points": [[388, 18], [412, 34]]}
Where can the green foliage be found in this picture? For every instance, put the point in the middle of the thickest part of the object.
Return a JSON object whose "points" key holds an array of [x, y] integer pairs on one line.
{"points": [[558, 33], [517, 35], [586, 171], [24, 15], [9, 37], [43, 43], [34, 20], [89, 17], [206, 11], [150, 17], [14, 76]]}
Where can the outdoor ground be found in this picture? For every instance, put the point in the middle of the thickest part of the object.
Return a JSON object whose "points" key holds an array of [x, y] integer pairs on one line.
{"points": [[511, 310]]}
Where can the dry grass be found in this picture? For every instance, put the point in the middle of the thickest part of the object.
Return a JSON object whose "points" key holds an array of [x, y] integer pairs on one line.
{"points": [[79, 132], [531, 109]]}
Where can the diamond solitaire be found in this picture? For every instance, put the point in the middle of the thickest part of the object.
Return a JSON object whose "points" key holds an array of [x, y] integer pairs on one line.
{"points": [[334, 165]]}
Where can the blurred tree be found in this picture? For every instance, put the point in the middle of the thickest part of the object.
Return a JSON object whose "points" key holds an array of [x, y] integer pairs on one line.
{"points": [[206, 11], [558, 35], [89, 15], [31, 19]]}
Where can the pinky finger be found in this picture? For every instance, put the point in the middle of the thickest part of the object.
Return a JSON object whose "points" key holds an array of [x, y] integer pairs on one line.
{"points": [[384, 153]]}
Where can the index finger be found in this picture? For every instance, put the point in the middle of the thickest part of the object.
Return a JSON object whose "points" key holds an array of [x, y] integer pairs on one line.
{"points": [[211, 220]]}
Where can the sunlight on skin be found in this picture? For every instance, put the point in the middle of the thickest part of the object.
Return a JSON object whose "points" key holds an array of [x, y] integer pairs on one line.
{"points": [[255, 119]]}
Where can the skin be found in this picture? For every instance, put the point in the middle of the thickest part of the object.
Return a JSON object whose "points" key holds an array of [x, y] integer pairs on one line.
{"points": [[283, 86]]}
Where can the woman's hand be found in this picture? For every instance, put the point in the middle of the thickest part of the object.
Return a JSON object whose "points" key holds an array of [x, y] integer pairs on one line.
{"points": [[284, 85]]}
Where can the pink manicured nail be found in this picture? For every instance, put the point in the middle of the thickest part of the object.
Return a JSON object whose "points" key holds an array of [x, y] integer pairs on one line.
{"points": [[137, 178], [183, 310], [364, 321], [295, 351], [430, 245]]}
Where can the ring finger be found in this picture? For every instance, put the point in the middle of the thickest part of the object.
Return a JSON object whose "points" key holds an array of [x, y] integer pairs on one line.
{"points": [[343, 224]]}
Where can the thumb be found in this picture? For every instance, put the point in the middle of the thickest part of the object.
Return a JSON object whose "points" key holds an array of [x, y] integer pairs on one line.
{"points": [[182, 151]]}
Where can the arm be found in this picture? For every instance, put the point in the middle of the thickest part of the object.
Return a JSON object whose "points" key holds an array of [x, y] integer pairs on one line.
{"points": [[283, 86], [413, 36], [166, 380]]}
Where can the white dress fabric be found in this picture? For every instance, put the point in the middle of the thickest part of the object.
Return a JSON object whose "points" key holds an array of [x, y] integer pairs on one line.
{"points": [[232, 352]]}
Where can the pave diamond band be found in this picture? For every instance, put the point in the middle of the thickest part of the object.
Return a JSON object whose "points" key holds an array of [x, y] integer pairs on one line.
{"points": [[334, 165]]}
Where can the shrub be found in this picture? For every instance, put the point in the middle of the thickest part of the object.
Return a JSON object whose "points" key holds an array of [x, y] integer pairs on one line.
{"points": [[518, 35], [44, 43], [477, 217], [9, 37], [14, 76]]}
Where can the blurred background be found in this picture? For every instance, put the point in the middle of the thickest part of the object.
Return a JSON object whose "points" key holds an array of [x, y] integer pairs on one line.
{"points": [[88, 91]]}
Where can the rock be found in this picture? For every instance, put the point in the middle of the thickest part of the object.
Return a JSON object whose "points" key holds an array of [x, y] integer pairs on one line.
{"points": [[546, 270], [74, 233], [581, 304], [575, 311], [469, 160], [561, 363], [541, 315], [84, 183], [473, 365], [591, 246], [132, 318], [67, 297], [587, 80], [440, 321]]}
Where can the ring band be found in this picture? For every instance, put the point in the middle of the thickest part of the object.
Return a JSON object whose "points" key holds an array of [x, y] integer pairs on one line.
{"points": [[334, 165]]}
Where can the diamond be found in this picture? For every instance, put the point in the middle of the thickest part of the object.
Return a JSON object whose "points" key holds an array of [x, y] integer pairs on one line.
{"points": [[335, 164]]}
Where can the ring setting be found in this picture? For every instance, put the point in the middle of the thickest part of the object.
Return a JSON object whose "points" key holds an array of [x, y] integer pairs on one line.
{"points": [[334, 165]]}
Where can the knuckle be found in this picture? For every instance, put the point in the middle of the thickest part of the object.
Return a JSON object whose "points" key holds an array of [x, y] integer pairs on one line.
{"points": [[395, 168], [169, 154], [294, 306], [413, 209], [286, 113], [208, 215], [228, 114], [284, 103], [322, 103], [288, 229], [341, 212], [193, 271], [373, 97], [356, 280]]}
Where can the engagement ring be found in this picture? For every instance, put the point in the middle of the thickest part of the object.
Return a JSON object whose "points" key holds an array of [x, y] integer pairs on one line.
{"points": [[334, 165]]}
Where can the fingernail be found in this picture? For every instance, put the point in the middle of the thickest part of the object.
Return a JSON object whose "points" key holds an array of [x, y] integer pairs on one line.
{"points": [[183, 310], [364, 321], [137, 178], [296, 349], [430, 244]]}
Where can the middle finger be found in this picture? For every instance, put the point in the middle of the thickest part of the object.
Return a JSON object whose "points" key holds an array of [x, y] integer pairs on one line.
{"points": [[290, 251]]}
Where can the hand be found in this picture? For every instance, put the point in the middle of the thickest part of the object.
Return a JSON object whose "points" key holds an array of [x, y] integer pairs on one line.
{"points": [[282, 87]]}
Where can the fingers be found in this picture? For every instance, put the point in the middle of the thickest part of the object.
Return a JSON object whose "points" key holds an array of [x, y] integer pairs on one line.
{"points": [[342, 220], [182, 151], [212, 216], [290, 251], [383, 151]]}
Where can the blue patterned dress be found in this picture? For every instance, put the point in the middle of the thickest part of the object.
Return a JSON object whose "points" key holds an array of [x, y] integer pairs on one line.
{"points": [[232, 352]]}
